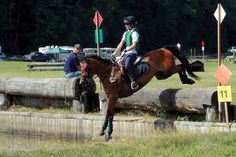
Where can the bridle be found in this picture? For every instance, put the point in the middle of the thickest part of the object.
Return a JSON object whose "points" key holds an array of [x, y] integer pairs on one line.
{"points": [[88, 75]]}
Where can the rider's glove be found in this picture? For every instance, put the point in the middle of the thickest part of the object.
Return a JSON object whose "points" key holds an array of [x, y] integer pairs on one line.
{"points": [[113, 58]]}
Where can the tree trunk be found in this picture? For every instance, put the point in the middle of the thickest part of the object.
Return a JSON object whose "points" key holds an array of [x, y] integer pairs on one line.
{"points": [[41, 87], [42, 102], [183, 100]]}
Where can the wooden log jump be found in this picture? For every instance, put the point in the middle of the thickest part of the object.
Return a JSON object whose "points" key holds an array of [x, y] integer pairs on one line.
{"points": [[47, 92], [182, 100], [41, 87], [45, 66]]}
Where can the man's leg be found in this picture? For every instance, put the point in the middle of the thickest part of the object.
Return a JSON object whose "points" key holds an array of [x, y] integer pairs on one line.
{"points": [[72, 74]]}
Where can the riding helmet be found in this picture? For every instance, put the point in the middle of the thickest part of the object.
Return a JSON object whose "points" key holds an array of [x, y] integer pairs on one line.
{"points": [[130, 20]]}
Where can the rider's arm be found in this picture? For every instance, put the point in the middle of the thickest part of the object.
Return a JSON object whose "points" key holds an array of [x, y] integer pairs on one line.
{"points": [[131, 47], [119, 47]]}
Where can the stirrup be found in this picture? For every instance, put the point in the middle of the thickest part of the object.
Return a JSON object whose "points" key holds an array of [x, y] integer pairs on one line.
{"points": [[112, 79], [134, 85]]}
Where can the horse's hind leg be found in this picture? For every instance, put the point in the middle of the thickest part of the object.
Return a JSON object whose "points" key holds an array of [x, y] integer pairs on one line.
{"points": [[162, 76], [183, 76]]}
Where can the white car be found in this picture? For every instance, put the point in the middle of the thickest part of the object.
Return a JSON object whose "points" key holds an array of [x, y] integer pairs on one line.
{"points": [[2, 56], [232, 49]]}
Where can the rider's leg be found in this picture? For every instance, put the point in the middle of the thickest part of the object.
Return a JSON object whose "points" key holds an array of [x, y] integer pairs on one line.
{"points": [[129, 66]]}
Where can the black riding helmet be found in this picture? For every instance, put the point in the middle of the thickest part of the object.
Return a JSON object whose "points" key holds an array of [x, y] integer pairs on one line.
{"points": [[130, 20]]}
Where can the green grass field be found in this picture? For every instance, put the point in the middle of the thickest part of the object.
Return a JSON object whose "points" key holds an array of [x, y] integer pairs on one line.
{"points": [[164, 144]]}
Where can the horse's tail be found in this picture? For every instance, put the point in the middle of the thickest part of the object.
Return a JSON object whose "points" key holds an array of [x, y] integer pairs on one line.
{"points": [[183, 60]]}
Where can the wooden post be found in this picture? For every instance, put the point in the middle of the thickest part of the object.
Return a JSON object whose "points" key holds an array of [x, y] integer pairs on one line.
{"points": [[226, 114], [97, 35]]}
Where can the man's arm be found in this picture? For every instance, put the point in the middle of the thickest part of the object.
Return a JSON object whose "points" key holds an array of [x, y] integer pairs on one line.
{"points": [[78, 68], [77, 63]]}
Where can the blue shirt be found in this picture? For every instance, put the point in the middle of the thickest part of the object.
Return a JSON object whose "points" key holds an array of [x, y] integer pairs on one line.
{"points": [[71, 63]]}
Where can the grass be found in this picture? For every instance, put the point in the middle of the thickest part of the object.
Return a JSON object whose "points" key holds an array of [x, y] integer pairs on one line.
{"points": [[19, 69], [164, 144]]}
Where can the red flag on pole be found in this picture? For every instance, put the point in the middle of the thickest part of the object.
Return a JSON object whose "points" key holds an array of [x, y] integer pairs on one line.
{"points": [[97, 19]]}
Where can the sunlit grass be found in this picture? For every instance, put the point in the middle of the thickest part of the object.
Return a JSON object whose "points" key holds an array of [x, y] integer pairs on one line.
{"points": [[166, 144]]}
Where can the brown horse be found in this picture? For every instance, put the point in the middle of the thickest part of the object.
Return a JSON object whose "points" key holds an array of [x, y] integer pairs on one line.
{"points": [[161, 64]]}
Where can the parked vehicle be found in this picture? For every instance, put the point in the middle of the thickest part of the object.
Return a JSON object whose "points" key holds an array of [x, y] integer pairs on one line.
{"points": [[2, 56], [232, 49], [15, 58], [36, 57]]}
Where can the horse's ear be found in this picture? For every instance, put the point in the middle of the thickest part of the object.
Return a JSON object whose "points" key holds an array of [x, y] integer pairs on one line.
{"points": [[81, 57], [83, 60]]}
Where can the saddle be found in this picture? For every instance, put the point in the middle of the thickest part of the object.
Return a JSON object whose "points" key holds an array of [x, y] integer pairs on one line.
{"points": [[141, 68]]}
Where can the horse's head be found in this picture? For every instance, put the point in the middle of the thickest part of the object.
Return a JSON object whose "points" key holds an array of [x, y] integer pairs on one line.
{"points": [[94, 65], [86, 70]]}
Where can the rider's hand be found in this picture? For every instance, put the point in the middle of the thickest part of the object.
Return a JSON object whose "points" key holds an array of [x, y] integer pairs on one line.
{"points": [[113, 58]]}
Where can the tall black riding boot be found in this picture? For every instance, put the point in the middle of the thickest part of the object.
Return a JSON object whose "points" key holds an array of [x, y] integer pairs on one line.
{"points": [[134, 85], [131, 73]]}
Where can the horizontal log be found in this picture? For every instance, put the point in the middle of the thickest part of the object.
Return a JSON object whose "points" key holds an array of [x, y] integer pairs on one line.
{"points": [[46, 69], [39, 102], [78, 105], [45, 66], [188, 100], [41, 87], [37, 64]]}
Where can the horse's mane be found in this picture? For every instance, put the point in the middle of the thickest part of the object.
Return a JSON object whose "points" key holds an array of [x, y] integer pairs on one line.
{"points": [[99, 58]]}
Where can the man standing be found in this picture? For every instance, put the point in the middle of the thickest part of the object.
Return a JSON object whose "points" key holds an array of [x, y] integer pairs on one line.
{"points": [[72, 64], [131, 40]]}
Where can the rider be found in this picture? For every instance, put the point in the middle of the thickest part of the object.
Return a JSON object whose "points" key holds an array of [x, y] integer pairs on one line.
{"points": [[131, 39]]}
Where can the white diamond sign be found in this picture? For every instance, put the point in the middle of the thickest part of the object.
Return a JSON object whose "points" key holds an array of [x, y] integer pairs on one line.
{"points": [[220, 11]]}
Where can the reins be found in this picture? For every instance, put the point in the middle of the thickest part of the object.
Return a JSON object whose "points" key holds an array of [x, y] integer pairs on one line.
{"points": [[95, 76], [103, 73]]}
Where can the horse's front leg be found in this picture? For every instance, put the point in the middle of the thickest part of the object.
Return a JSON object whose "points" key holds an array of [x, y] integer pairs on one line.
{"points": [[108, 122], [110, 127], [104, 126]]}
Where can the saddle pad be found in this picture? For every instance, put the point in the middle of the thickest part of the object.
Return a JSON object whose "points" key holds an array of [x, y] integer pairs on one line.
{"points": [[142, 68]]}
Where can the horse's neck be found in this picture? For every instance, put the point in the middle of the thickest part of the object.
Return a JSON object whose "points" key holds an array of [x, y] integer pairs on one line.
{"points": [[102, 71]]}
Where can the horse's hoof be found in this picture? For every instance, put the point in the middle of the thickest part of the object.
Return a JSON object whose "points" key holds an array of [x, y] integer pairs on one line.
{"points": [[108, 138], [189, 81], [101, 133]]}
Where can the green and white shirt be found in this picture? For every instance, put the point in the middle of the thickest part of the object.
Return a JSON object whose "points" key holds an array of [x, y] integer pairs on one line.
{"points": [[130, 37]]}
